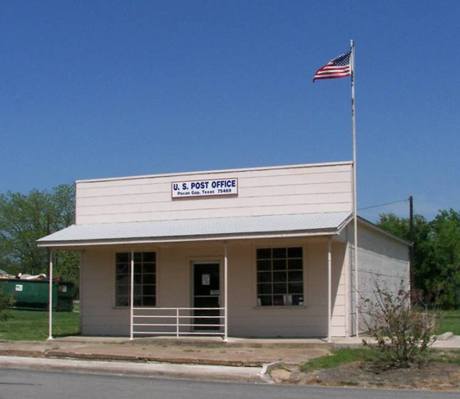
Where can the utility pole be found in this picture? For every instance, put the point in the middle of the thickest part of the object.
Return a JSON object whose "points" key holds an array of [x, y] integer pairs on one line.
{"points": [[412, 247]]}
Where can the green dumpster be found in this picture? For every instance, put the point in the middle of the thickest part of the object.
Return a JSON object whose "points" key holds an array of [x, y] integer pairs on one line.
{"points": [[33, 294]]}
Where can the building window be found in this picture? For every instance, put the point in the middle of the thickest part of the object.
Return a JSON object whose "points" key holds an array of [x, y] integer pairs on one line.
{"points": [[280, 276], [144, 279]]}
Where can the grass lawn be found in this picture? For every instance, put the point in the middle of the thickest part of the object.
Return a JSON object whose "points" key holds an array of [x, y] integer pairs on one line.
{"points": [[349, 355], [33, 325], [449, 321], [338, 357]]}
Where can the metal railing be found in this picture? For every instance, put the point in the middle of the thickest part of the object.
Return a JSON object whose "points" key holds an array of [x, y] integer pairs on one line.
{"points": [[177, 321]]}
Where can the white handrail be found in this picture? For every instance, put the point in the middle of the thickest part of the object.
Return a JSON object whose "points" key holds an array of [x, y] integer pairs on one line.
{"points": [[180, 317], [142, 308], [168, 327]]}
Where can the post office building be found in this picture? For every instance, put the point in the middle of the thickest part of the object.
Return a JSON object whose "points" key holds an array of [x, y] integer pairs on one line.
{"points": [[256, 252]]}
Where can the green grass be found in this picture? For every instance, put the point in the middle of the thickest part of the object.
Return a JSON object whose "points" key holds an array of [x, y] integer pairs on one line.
{"points": [[338, 357], [447, 356], [32, 325], [449, 321], [348, 355]]}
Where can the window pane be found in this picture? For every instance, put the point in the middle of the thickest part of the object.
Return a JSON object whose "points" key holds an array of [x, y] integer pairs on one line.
{"points": [[149, 301], [123, 268], [295, 288], [295, 252], [295, 276], [144, 278], [149, 279], [137, 289], [123, 279], [295, 264], [148, 268], [123, 290], [264, 265], [122, 301], [279, 277], [264, 300], [264, 288], [279, 264], [264, 253], [280, 272], [279, 288], [279, 253], [278, 300], [148, 290], [264, 277], [149, 257], [123, 257]]}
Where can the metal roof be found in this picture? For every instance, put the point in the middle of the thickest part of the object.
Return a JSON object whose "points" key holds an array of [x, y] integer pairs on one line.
{"points": [[197, 229]]}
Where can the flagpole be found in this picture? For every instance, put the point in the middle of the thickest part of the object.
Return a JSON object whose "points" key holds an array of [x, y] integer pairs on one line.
{"points": [[355, 194]]}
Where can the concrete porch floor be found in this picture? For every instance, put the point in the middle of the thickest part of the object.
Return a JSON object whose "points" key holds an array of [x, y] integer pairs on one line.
{"points": [[198, 340], [231, 341]]}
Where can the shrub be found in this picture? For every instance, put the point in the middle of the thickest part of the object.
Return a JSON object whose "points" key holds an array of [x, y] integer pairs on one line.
{"points": [[5, 302], [403, 332]]}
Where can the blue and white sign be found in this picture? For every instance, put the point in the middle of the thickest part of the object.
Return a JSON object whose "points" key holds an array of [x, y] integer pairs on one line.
{"points": [[204, 188]]}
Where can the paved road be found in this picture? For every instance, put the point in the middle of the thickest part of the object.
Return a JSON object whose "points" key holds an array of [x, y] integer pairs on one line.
{"points": [[23, 384]]}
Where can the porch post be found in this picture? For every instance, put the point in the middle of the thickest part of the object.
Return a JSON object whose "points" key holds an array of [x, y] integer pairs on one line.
{"points": [[225, 293], [131, 298], [329, 289], [50, 299]]}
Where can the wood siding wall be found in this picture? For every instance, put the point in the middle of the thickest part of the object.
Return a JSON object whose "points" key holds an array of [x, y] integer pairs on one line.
{"points": [[284, 190], [99, 316], [380, 259]]}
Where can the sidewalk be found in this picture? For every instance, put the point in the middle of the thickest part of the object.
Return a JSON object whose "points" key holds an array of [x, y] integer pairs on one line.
{"points": [[237, 353], [197, 351]]}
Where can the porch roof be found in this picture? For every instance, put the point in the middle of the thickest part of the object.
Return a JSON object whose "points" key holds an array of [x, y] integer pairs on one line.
{"points": [[197, 229]]}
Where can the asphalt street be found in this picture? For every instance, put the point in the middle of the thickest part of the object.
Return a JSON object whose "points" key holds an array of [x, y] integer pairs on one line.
{"points": [[25, 384]]}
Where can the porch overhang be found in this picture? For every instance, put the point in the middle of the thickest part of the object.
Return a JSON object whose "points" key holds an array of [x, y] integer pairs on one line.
{"points": [[189, 230]]}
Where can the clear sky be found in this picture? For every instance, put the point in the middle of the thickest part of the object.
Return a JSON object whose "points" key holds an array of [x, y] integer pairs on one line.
{"points": [[112, 88]]}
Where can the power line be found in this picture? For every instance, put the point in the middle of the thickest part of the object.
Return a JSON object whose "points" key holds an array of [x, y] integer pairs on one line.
{"points": [[384, 204]]}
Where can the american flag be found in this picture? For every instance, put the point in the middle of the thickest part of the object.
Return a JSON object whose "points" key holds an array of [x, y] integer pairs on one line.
{"points": [[339, 67]]}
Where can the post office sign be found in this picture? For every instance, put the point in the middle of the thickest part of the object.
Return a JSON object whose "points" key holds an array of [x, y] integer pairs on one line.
{"points": [[204, 188]]}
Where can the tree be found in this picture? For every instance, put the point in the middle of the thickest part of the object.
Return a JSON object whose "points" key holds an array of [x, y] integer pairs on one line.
{"points": [[444, 242], [436, 254], [24, 218]]}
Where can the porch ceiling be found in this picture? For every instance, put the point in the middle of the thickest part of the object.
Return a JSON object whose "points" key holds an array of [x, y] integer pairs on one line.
{"points": [[197, 229]]}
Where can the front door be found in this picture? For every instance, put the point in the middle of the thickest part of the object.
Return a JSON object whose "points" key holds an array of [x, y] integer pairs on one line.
{"points": [[206, 293]]}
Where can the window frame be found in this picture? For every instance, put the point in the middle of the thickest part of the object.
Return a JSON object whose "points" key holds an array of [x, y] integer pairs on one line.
{"points": [[287, 302], [137, 264]]}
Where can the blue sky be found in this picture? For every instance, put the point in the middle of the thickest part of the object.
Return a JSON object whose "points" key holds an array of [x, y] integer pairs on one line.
{"points": [[108, 88]]}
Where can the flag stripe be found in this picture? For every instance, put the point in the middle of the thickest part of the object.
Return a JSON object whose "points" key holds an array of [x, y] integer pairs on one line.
{"points": [[339, 67], [332, 77], [334, 70]]}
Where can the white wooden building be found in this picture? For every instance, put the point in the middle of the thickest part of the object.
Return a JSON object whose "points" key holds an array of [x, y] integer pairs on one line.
{"points": [[256, 252]]}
